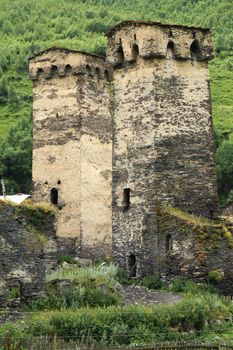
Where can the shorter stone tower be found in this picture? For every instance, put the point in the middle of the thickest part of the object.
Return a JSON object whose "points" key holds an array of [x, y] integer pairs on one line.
{"points": [[72, 146], [163, 144]]}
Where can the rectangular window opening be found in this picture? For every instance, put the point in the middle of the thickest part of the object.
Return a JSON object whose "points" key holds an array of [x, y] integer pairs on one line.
{"points": [[126, 200]]}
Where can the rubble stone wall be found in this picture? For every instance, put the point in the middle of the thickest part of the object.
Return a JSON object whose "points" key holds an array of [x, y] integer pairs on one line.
{"points": [[22, 272], [197, 249]]}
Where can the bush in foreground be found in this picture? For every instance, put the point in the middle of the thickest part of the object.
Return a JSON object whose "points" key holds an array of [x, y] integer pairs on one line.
{"points": [[129, 325]]}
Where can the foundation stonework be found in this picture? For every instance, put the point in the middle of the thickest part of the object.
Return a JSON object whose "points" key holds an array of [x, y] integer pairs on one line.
{"points": [[115, 137]]}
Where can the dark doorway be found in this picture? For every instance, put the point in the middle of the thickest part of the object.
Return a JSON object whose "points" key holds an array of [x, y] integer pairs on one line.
{"points": [[132, 265]]}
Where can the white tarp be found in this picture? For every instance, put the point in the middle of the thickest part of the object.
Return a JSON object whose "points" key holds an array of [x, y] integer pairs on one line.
{"points": [[15, 198]]}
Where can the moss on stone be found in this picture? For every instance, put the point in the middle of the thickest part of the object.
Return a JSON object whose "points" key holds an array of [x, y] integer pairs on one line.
{"points": [[35, 215], [204, 230], [186, 217]]}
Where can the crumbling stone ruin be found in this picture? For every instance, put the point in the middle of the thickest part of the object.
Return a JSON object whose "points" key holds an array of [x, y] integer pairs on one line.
{"points": [[115, 138], [22, 269]]}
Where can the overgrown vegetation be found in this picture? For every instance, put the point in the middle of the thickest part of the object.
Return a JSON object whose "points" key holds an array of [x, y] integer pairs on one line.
{"points": [[186, 217], [27, 27], [93, 286], [202, 315]]}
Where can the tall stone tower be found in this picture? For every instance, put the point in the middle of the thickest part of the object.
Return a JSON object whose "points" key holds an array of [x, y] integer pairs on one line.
{"points": [[163, 144], [72, 146]]}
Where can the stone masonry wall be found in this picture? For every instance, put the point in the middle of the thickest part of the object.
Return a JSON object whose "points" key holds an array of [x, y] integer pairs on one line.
{"points": [[22, 272], [197, 247], [29, 248], [163, 144], [72, 145]]}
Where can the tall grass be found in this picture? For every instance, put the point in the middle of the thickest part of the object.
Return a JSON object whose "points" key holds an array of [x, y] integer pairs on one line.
{"points": [[93, 275], [94, 286], [136, 324]]}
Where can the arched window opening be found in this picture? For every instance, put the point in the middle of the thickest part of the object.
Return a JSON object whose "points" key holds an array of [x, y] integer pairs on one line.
{"points": [[168, 243], [135, 37], [97, 71], [120, 54], [126, 199], [68, 69], [170, 49], [195, 49], [54, 196], [132, 265], [40, 73], [88, 69], [170, 34], [54, 71], [135, 52]]}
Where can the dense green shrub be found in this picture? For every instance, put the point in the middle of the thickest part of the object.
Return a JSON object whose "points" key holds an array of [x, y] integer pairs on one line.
{"points": [[98, 27], [135, 324], [16, 157], [122, 277], [152, 282], [65, 258], [181, 285], [92, 286], [201, 313], [74, 297], [215, 276]]}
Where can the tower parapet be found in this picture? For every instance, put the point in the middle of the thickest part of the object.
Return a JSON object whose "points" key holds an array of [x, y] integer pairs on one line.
{"points": [[63, 62], [132, 39]]}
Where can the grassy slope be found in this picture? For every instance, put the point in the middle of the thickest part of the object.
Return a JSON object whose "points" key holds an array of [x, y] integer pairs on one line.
{"points": [[221, 72], [29, 26]]}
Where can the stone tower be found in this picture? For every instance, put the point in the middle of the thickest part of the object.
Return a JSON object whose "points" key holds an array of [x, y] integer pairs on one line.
{"points": [[72, 146], [154, 83], [163, 144]]}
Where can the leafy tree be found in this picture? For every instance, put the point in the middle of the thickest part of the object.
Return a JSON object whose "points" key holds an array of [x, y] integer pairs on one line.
{"points": [[224, 157], [15, 157]]}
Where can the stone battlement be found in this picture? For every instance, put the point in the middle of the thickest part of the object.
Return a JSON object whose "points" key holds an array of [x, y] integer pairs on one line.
{"points": [[57, 62], [134, 39]]}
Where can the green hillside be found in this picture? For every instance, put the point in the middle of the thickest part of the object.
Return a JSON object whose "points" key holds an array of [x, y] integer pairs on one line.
{"points": [[27, 27]]}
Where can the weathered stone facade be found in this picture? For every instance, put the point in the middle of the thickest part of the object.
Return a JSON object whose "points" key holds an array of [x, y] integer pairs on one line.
{"points": [[163, 136], [116, 137], [72, 145]]}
